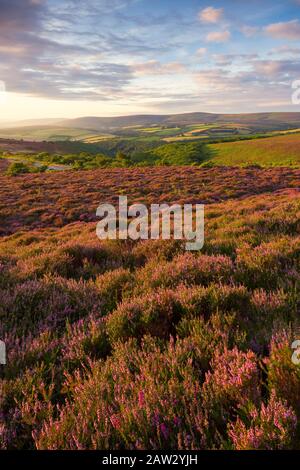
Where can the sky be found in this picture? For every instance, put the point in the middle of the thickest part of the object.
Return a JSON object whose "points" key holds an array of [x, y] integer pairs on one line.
{"points": [[71, 58]]}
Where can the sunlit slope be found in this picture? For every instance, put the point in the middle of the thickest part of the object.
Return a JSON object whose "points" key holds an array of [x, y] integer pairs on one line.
{"points": [[278, 151], [50, 133]]}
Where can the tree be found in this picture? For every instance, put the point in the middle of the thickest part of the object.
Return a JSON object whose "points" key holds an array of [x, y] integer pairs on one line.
{"points": [[17, 168], [122, 160]]}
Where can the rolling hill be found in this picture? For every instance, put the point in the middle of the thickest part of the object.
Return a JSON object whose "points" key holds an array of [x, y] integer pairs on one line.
{"points": [[258, 122], [49, 133], [283, 150]]}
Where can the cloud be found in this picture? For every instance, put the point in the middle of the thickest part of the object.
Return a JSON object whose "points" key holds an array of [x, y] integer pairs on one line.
{"points": [[154, 67], [33, 61], [211, 15], [249, 31], [20, 15], [228, 59], [105, 50], [222, 59], [261, 78], [288, 30], [70, 82], [277, 69], [285, 50], [221, 89], [201, 52], [218, 36]]}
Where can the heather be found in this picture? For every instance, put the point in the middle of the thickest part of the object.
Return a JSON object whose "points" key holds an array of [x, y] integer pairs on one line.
{"points": [[53, 200], [142, 345]]}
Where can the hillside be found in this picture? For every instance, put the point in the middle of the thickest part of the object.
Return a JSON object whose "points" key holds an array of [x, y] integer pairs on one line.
{"points": [[52, 147], [116, 345], [278, 151], [75, 195], [262, 121], [92, 153], [48, 133], [259, 122]]}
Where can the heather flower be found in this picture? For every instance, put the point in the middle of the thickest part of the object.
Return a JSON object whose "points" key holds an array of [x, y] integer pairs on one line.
{"points": [[115, 421], [177, 421], [283, 375], [164, 430], [234, 378], [272, 427], [141, 398]]}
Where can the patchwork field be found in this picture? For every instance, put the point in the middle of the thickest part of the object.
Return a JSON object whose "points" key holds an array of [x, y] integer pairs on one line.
{"points": [[50, 134], [141, 345], [159, 127]]}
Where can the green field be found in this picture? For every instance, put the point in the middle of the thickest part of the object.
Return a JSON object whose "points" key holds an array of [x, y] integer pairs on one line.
{"points": [[158, 129], [51, 134], [283, 150], [195, 131], [167, 133], [232, 143]]}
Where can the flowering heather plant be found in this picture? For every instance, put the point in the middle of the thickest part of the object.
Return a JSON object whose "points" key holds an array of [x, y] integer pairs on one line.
{"points": [[272, 427], [279, 257], [283, 375], [154, 313], [112, 287], [87, 338], [144, 404], [184, 269], [233, 382]]}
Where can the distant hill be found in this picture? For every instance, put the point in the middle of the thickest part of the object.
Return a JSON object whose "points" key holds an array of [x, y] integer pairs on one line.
{"points": [[259, 121], [62, 147], [30, 122], [142, 133], [256, 121], [47, 133]]}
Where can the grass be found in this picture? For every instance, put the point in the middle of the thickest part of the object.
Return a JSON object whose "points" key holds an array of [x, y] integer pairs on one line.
{"points": [[93, 139], [183, 138], [266, 150], [48, 133], [173, 134], [283, 150]]}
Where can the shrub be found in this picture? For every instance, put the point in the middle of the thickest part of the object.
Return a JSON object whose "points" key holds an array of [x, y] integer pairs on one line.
{"points": [[273, 427], [17, 168], [155, 314], [187, 269], [283, 375]]}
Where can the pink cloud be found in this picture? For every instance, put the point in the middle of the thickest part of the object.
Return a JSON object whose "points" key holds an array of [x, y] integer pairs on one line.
{"points": [[218, 36], [154, 67], [249, 31], [211, 15], [287, 30], [201, 52]]}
